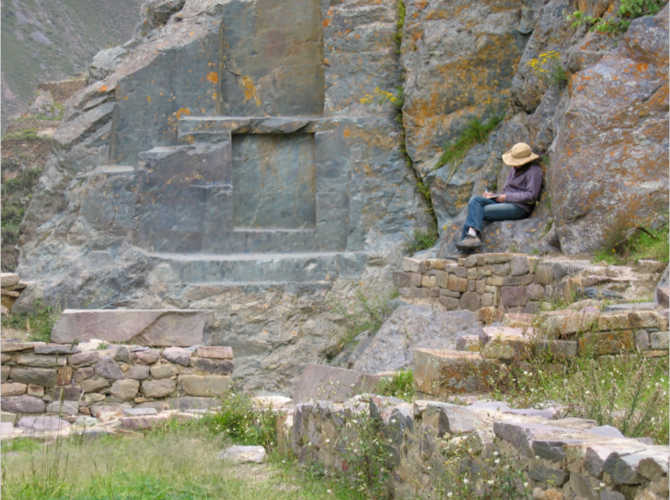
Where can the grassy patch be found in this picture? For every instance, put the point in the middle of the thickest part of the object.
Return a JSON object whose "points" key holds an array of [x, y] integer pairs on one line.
{"points": [[38, 324], [475, 132], [179, 465], [423, 240], [641, 244], [27, 134], [400, 385], [629, 392]]}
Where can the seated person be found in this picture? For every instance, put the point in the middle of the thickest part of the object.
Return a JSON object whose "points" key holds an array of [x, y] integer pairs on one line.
{"points": [[516, 200]]}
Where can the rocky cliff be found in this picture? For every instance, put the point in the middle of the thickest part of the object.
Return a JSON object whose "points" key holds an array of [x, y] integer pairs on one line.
{"points": [[247, 156]]}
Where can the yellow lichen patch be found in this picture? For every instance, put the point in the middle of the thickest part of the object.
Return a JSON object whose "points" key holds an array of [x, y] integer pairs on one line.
{"points": [[215, 95], [183, 111], [213, 77], [249, 90], [148, 98], [103, 88]]}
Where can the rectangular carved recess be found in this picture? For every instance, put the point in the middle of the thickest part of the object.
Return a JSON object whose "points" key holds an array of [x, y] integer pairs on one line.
{"points": [[274, 182]]}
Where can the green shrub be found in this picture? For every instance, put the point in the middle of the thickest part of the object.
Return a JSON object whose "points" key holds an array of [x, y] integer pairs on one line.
{"points": [[423, 240], [38, 324], [619, 23], [242, 422], [400, 385]]}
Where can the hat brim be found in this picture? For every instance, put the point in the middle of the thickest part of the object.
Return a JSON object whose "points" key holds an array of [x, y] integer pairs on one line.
{"points": [[517, 162]]}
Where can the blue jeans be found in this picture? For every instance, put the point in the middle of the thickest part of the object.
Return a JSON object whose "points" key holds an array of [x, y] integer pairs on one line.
{"points": [[482, 209]]}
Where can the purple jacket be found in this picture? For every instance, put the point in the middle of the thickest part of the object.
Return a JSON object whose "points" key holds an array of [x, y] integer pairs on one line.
{"points": [[522, 186]]}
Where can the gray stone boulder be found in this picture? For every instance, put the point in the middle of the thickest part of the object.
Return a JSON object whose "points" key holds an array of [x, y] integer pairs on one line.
{"points": [[244, 454], [23, 404], [43, 423], [411, 327], [105, 63]]}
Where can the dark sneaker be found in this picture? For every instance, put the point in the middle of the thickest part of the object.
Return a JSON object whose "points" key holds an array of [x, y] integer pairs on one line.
{"points": [[469, 243]]}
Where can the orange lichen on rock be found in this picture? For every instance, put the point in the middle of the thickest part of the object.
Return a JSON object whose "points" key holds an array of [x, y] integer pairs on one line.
{"points": [[213, 77]]}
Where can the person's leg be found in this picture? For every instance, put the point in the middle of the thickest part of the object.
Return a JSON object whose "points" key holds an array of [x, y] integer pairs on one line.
{"points": [[503, 211], [475, 218]]}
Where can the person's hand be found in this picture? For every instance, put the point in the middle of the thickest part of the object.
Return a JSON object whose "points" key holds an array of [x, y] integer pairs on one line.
{"points": [[487, 194], [501, 198]]}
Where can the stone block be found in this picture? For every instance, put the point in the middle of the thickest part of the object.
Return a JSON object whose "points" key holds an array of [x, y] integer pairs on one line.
{"points": [[205, 385], [39, 360], [497, 258], [628, 320], [457, 284], [125, 390], [470, 343], [158, 388], [5, 358], [46, 377], [192, 403], [56, 349], [659, 340], [437, 264], [63, 375], [442, 279], [13, 389], [450, 419], [107, 368], [581, 487], [480, 286], [16, 346], [243, 454], [170, 327], [138, 372], [511, 296], [534, 291], [494, 281], [472, 285], [548, 475], [177, 355], [329, 382], [415, 279], [217, 366], [662, 296], [63, 407], [401, 279], [22, 404], [559, 349], [519, 265], [544, 274], [35, 390], [472, 274], [429, 281], [491, 289], [442, 372], [607, 342], [451, 303], [8, 280], [94, 384], [83, 374], [405, 293], [526, 279], [66, 392], [6, 417], [450, 293], [483, 272], [414, 266], [119, 353], [487, 300], [470, 300], [425, 293], [4, 371], [163, 371], [460, 271], [215, 352], [84, 358], [567, 324], [44, 423], [147, 357], [642, 341], [474, 260]]}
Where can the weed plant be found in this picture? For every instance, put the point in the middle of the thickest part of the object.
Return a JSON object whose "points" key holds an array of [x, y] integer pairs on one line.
{"points": [[619, 23], [400, 385], [548, 68], [28, 134], [475, 132], [38, 324], [423, 240], [629, 392], [647, 244]]}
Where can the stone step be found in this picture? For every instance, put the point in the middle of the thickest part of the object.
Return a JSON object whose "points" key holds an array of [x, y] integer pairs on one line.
{"points": [[162, 327], [264, 268], [443, 372]]}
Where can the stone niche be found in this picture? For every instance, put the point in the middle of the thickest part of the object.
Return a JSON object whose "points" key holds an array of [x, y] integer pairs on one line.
{"points": [[274, 179]]}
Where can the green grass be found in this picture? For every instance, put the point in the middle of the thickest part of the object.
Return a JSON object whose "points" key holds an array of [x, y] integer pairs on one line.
{"points": [[400, 385], [39, 324], [29, 134], [423, 240], [619, 251], [179, 465], [475, 132], [629, 392]]}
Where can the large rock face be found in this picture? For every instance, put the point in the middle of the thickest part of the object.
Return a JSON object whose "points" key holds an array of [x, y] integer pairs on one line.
{"points": [[226, 160], [611, 153]]}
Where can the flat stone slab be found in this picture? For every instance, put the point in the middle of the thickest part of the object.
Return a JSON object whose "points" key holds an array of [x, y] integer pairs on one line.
{"points": [[244, 454], [169, 327], [442, 372], [331, 383], [635, 306]]}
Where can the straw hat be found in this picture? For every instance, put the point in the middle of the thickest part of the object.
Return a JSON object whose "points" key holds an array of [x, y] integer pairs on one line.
{"points": [[519, 155]]}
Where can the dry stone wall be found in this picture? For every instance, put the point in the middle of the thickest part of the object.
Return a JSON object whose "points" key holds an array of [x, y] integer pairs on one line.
{"points": [[42, 378], [567, 458]]}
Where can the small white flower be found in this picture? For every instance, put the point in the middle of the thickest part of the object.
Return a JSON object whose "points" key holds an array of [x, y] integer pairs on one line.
{"points": [[537, 457], [587, 392], [495, 453], [525, 485], [393, 420], [496, 461], [450, 494], [602, 485], [327, 440], [328, 491], [429, 467], [490, 481], [466, 481]]}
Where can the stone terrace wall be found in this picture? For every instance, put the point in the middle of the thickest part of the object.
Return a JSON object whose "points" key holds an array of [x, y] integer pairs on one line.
{"points": [[494, 283], [54, 378], [567, 459]]}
